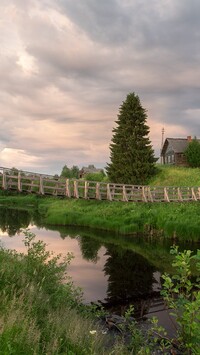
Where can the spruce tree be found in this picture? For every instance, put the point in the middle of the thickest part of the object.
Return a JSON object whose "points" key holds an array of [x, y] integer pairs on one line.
{"points": [[132, 157]]}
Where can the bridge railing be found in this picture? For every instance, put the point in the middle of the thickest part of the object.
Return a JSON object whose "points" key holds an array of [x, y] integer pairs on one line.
{"points": [[22, 181]]}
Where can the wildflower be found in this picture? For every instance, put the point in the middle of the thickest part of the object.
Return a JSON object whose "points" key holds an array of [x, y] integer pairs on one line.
{"points": [[93, 332]]}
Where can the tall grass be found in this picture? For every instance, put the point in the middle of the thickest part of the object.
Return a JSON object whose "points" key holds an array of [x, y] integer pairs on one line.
{"points": [[176, 176], [174, 220], [40, 309]]}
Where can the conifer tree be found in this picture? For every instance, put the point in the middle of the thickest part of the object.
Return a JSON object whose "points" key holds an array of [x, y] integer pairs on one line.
{"points": [[132, 157]]}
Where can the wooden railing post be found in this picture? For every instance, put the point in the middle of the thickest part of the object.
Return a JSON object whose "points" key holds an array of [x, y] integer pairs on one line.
{"points": [[193, 194], [143, 194], [76, 195], [19, 186], [4, 185], [86, 190], [166, 197], [68, 191], [98, 196], [41, 190], [109, 197], [124, 195], [180, 198], [150, 194], [199, 193]]}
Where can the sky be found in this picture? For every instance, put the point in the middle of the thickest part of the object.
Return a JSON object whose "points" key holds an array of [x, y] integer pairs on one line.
{"points": [[66, 66]]}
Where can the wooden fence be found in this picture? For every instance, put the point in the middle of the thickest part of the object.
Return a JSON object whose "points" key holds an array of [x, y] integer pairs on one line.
{"points": [[22, 181]]}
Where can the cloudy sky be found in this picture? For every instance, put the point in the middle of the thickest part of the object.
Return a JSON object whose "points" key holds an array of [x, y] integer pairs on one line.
{"points": [[67, 65]]}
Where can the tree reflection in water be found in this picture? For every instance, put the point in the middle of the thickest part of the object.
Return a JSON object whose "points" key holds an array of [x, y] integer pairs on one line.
{"points": [[89, 248], [130, 280], [130, 276], [11, 220]]}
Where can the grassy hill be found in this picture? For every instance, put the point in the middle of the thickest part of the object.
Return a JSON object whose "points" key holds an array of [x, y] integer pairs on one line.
{"points": [[176, 176]]}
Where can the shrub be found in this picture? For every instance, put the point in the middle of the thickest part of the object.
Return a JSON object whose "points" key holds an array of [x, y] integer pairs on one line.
{"points": [[192, 153]]}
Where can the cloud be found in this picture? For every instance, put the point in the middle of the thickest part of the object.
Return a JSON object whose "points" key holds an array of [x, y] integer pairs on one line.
{"points": [[66, 66]]}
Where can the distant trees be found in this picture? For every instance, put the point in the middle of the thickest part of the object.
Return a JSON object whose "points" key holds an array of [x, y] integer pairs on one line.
{"points": [[192, 153], [100, 176], [70, 172], [132, 157]]}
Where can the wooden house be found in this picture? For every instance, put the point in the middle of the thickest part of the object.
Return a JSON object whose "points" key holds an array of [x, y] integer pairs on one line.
{"points": [[90, 169], [173, 151]]}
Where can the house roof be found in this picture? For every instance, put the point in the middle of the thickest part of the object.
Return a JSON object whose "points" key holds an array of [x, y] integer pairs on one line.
{"points": [[90, 169], [178, 145]]}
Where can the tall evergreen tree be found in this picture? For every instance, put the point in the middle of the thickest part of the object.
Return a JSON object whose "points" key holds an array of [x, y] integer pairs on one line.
{"points": [[132, 157]]}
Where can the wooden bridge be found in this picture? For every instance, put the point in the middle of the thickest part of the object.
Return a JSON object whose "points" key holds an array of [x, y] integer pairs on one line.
{"points": [[23, 181]]}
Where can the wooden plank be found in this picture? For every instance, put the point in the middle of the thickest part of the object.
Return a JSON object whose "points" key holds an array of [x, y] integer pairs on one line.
{"points": [[41, 188], [86, 190], [124, 195], [198, 192], [4, 183], [109, 197], [98, 196], [67, 190], [166, 197], [180, 198], [19, 186], [143, 194], [150, 194], [193, 194], [76, 195]]}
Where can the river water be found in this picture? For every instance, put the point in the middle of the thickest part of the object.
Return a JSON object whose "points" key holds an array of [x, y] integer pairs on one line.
{"points": [[111, 270]]}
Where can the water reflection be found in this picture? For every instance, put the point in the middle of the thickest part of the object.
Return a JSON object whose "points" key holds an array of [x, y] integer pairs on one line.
{"points": [[12, 220], [130, 280], [89, 248], [105, 267]]}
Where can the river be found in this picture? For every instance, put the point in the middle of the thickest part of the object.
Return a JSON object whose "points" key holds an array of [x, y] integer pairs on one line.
{"points": [[111, 270]]}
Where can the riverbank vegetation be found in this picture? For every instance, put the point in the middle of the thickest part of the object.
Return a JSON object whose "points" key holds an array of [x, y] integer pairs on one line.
{"points": [[177, 221], [175, 176], [168, 220], [36, 290], [41, 310]]}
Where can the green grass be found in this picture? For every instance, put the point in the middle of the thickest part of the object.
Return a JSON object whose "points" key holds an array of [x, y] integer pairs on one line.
{"points": [[174, 220], [177, 221], [40, 309], [176, 176]]}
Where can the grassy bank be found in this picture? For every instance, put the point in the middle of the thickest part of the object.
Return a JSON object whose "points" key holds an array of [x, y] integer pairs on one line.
{"points": [[181, 221], [173, 220], [176, 176]]}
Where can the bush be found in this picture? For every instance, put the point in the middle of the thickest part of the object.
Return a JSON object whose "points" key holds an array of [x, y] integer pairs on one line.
{"points": [[183, 298], [39, 313], [95, 176], [192, 153]]}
